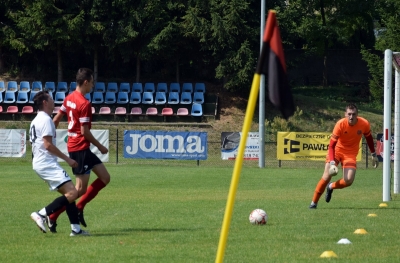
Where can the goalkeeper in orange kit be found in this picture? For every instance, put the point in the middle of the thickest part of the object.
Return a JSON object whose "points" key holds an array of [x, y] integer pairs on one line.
{"points": [[343, 148]]}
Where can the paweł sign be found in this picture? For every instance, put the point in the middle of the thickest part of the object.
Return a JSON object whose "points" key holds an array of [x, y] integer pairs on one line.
{"points": [[165, 145], [311, 146], [12, 142]]}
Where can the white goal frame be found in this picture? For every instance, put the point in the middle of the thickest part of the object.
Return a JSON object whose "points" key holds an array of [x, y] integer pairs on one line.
{"points": [[392, 60]]}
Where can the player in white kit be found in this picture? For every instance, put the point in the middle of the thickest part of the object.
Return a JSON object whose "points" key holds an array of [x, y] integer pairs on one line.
{"points": [[42, 135]]}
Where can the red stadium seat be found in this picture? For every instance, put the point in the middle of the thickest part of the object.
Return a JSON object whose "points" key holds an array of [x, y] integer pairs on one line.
{"points": [[120, 111], [182, 112], [136, 111], [27, 109], [12, 109], [105, 110], [167, 111], [151, 111]]}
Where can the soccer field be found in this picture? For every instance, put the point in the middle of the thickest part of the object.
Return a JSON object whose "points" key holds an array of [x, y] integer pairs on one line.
{"points": [[174, 214]]}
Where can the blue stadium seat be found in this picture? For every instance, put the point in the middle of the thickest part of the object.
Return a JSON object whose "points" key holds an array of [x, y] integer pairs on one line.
{"points": [[198, 97], [137, 87], [160, 98], [186, 98], [173, 98], [122, 98], [175, 87], [100, 87], [9, 97], [200, 87], [197, 110], [31, 96], [162, 87], [149, 87], [37, 86], [2, 86], [22, 97], [24, 86], [50, 86], [147, 98], [112, 87], [59, 97], [88, 97], [97, 97], [12, 86], [135, 98], [110, 98], [1, 97], [125, 87], [62, 87], [187, 87], [72, 87]]}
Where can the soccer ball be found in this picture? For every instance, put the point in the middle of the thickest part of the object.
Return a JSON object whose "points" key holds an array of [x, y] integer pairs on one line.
{"points": [[258, 217]]}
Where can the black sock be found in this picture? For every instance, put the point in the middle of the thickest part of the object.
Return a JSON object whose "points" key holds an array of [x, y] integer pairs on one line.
{"points": [[57, 204], [72, 213]]}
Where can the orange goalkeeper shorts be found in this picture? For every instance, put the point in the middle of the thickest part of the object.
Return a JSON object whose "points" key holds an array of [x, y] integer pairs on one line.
{"points": [[346, 160]]}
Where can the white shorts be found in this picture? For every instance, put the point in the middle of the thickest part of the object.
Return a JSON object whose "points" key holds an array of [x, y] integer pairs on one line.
{"points": [[54, 175]]}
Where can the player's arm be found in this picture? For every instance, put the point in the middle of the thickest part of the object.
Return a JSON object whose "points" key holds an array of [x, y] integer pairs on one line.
{"points": [[371, 146], [49, 146], [85, 131], [331, 147], [58, 118]]}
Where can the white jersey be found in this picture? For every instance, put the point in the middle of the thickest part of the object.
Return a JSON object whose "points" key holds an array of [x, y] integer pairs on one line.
{"points": [[42, 125]]}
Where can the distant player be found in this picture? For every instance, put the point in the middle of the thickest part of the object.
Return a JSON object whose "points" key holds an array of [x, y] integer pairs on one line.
{"points": [[79, 112], [42, 135], [343, 148]]}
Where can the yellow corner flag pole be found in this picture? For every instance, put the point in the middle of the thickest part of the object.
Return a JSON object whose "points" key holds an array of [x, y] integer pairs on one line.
{"points": [[237, 168]]}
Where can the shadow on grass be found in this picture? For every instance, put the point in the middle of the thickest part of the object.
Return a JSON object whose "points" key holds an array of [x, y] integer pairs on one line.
{"points": [[359, 208], [126, 231]]}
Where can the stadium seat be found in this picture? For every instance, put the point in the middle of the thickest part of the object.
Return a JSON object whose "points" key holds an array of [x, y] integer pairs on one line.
{"points": [[97, 97], [187, 87], [125, 87], [173, 98], [137, 87], [93, 110], [149, 87], [12, 109], [105, 110], [198, 97], [1, 109], [136, 111], [31, 96], [120, 111], [147, 98], [135, 98], [151, 111], [182, 112], [167, 112], [122, 98], [56, 109], [2, 86], [200, 87], [59, 97], [72, 87], [50, 86], [9, 97], [62, 87], [1, 97], [197, 110], [112, 87], [22, 97], [27, 110], [175, 87], [110, 97], [100, 87], [50, 94], [186, 98], [88, 97], [24, 86], [37, 86], [12, 86], [162, 87], [160, 98]]}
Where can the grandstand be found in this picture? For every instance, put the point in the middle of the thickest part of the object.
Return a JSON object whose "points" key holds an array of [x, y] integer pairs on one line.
{"points": [[123, 102]]}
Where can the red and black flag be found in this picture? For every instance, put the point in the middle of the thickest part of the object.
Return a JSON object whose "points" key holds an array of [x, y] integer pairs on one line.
{"points": [[272, 64]]}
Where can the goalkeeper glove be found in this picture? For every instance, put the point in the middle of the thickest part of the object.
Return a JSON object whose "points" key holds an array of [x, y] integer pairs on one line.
{"points": [[375, 161], [333, 169]]}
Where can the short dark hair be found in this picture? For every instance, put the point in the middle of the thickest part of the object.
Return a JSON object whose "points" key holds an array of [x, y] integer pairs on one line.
{"points": [[351, 106], [82, 75], [39, 98]]}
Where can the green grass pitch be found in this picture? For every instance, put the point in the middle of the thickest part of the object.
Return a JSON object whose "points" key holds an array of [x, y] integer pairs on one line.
{"points": [[174, 214]]}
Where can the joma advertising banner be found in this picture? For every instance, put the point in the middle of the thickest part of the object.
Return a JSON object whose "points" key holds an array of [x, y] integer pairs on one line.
{"points": [[165, 145], [311, 146], [12, 142], [101, 135]]}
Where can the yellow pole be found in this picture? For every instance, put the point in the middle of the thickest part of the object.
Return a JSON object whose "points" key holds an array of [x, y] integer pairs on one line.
{"points": [[251, 105]]}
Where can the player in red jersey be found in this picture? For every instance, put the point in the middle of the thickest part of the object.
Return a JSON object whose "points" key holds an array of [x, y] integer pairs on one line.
{"points": [[79, 112], [343, 148]]}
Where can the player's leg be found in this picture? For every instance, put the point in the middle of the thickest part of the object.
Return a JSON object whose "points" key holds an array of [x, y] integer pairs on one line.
{"points": [[73, 216], [349, 164], [320, 188]]}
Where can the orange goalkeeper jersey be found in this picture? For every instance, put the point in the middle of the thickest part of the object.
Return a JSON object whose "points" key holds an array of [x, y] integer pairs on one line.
{"points": [[348, 137]]}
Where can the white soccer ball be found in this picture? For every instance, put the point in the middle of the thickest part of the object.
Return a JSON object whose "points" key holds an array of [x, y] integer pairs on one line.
{"points": [[258, 217]]}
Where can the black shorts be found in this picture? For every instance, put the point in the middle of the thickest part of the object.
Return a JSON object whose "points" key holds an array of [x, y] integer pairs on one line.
{"points": [[86, 161]]}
